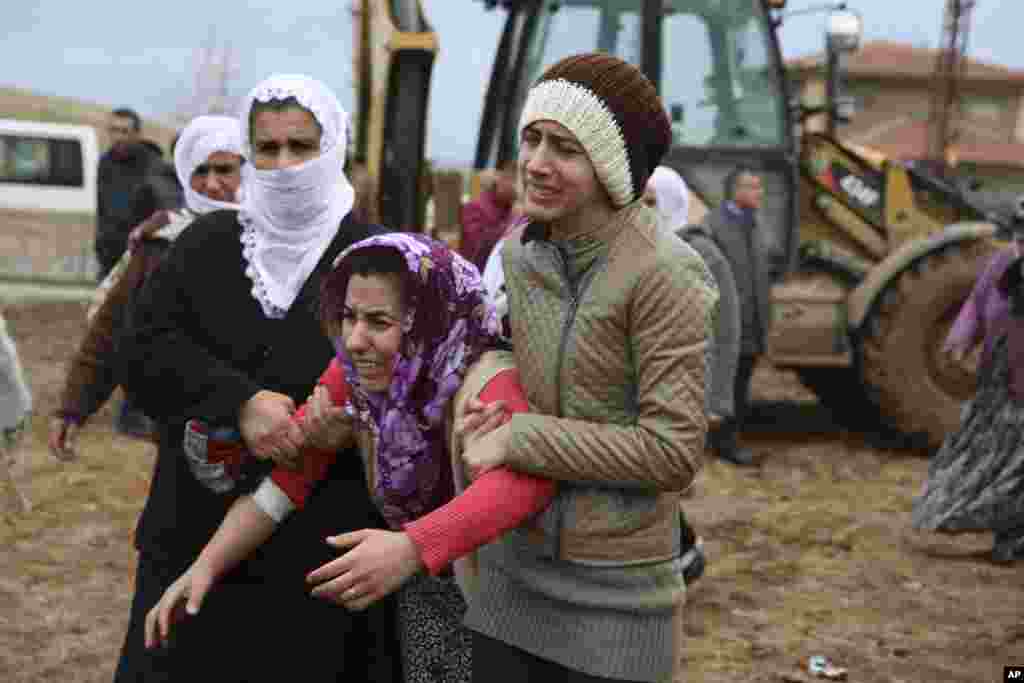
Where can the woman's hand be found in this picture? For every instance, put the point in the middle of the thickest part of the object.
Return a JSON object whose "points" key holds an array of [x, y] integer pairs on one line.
{"points": [[265, 422], [377, 563], [478, 419], [325, 425], [487, 452], [183, 597], [63, 438]]}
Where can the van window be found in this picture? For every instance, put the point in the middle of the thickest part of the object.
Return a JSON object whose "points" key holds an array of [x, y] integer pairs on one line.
{"points": [[41, 161]]}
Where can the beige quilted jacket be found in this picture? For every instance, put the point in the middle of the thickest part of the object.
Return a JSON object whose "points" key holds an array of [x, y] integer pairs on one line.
{"points": [[611, 335]]}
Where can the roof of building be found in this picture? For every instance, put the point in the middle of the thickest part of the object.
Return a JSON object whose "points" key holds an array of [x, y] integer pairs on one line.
{"points": [[901, 60], [908, 139]]}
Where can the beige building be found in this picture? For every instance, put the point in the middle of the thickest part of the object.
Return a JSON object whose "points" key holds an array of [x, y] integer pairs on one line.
{"points": [[892, 85]]}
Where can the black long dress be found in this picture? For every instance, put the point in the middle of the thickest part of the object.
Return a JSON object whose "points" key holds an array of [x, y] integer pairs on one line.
{"points": [[198, 346], [976, 480]]}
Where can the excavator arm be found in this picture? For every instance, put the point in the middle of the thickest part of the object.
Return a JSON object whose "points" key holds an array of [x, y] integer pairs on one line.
{"points": [[394, 56]]}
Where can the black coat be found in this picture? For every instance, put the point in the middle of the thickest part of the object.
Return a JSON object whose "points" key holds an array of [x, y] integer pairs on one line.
{"points": [[737, 234], [118, 181], [198, 346]]}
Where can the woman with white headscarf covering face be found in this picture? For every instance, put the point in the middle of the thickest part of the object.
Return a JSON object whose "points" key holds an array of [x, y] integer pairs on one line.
{"points": [[668, 194], [225, 338], [297, 191], [207, 161]]}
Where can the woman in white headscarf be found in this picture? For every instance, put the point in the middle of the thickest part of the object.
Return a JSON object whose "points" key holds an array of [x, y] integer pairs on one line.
{"points": [[225, 336], [207, 161], [207, 165], [668, 194]]}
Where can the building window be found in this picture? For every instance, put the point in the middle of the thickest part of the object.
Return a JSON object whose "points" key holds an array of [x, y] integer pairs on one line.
{"points": [[865, 94], [984, 107]]}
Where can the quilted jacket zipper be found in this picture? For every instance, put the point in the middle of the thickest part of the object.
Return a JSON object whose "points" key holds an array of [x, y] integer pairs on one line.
{"points": [[575, 294]]}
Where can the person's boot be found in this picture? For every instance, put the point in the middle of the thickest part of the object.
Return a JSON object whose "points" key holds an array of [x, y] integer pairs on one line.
{"points": [[692, 551], [1008, 546], [738, 456], [694, 562], [723, 441]]}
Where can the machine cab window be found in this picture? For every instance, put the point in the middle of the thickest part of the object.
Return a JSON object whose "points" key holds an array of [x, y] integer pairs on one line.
{"points": [[717, 77]]}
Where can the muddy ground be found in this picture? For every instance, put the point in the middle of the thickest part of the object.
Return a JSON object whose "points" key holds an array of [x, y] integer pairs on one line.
{"points": [[809, 552]]}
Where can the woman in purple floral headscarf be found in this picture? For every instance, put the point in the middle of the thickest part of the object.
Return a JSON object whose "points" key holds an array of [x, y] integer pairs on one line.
{"points": [[447, 325], [413, 331]]}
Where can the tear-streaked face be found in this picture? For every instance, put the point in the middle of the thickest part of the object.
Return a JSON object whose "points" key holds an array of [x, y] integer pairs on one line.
{"points": [[371, 328], [560, 184]]}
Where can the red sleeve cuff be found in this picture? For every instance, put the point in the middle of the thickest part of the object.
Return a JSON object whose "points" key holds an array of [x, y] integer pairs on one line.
{"points": [[297, 484], [499, 500]]}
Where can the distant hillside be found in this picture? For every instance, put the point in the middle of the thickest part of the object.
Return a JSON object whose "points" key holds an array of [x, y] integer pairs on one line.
{"points": [[17, 103]]}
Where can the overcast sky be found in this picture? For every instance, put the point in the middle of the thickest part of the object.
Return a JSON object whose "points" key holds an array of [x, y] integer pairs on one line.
{"points": [[142, 54]]}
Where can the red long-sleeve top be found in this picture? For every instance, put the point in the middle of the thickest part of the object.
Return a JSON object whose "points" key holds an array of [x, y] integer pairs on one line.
{"points": [[497, 501]]}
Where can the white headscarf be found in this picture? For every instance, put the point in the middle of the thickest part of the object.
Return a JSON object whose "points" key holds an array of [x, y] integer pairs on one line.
{"points": [[203, 136], [673, 197], [289, 216]]}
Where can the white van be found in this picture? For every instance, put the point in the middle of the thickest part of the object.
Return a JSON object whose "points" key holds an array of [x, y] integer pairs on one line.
{"points": [[47, 200]]}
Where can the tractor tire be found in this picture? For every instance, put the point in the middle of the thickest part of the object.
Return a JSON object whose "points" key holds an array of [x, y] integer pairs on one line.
{"points": [[917, 388], [843, 394]]}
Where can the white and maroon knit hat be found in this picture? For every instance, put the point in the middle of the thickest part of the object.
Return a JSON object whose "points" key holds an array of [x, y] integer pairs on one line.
{"points": [[614, 112]]}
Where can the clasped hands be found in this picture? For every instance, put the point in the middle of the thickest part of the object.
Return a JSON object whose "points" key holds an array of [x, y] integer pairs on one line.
{"points": [[375, 562], [266, 424], [483, 433]]}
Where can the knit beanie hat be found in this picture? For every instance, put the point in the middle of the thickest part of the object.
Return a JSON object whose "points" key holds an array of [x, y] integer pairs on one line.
{"points": [[614, 112]]}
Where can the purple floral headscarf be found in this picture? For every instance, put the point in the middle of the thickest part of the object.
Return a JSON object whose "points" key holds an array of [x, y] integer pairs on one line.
{"points": [[448, 323]]}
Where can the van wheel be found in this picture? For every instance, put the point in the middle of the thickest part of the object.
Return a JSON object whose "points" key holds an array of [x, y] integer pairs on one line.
{"points": [[919, 389]]}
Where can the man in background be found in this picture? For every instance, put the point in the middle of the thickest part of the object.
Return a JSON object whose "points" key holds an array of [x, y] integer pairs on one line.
{"points": [[486, 218], [122, 171], [734, 227], [135, 184]]}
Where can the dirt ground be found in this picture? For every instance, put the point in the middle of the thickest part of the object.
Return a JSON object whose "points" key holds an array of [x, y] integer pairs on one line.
{"points": [[809, 552]]}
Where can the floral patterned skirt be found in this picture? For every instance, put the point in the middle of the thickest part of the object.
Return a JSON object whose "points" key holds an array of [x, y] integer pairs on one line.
{"points": [[976, 480], [436, 647]]}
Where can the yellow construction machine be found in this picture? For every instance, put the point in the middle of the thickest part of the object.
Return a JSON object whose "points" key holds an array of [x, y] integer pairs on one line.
{"points": [[877, 256]]}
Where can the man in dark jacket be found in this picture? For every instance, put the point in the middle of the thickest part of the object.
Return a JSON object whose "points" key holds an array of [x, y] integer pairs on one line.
{"points": [[734, 226], [122, 171], [158, 191]]}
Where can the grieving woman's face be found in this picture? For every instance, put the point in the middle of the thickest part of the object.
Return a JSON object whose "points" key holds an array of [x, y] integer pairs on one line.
{"points": [[371, 328], [559, 181], [282, 138]]}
